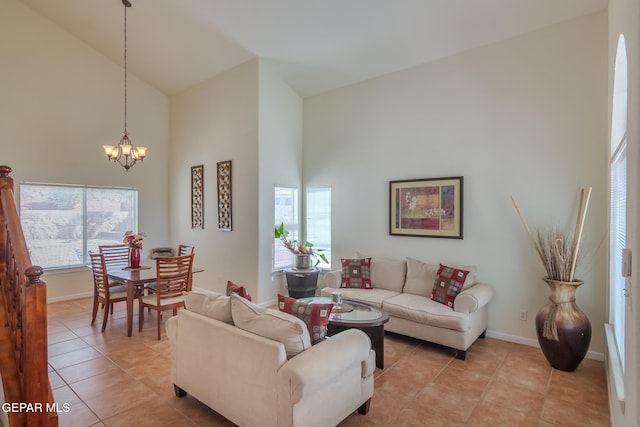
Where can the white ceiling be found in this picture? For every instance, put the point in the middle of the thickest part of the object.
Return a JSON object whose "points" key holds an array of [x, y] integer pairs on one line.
{"points": [[317, 45]]}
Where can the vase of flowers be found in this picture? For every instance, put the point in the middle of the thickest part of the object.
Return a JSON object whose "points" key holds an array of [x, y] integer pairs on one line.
{"points": [[134, 240], [563, 330]]}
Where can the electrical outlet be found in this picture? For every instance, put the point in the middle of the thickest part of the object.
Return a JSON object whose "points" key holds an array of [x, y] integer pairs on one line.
{"points": [[523, 315]]}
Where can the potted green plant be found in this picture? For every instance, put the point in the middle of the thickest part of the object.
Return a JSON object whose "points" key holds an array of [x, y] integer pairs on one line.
{"points": [[303, 250]]}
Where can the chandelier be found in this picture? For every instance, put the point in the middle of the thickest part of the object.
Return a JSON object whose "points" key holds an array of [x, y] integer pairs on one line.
{"points": [[125, 153]]}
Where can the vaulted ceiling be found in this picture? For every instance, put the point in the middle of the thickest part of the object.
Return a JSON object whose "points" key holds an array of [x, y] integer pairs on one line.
{"points": [[316, 45]]}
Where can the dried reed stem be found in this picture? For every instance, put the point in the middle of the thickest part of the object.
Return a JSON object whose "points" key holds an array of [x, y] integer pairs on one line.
{"points": [[526, 226], [579, 223]]}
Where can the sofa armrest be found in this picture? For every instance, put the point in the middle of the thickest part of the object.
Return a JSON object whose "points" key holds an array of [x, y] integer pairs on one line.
{"points": [[333, 278], [319, 366], [473, 298]]}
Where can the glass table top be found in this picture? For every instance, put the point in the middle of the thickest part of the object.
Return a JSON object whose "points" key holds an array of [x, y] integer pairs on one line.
{"points": [[358, 312]]}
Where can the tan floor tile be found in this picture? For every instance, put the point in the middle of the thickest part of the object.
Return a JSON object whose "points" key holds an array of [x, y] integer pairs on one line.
{"points": [[68, 346], [79, 415], [63, 334], [73, 358], [151, 414], [487, 414], [117, 398], [504, 395], [88, 369], [447, 401], [55, 380], [574, 415], [469, 382]]}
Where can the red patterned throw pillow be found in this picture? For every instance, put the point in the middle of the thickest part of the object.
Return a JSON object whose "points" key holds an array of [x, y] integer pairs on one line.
{"points": [[356, 273], [448, 284], [240, 290], [315, 316]]}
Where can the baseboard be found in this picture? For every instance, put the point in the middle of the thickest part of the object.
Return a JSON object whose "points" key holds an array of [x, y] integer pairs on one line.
{"points": [[534, 343], [69, 297]]}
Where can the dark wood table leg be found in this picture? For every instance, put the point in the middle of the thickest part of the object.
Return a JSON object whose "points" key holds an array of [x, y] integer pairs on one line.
{"points": [[130, 296], [375, 334]]}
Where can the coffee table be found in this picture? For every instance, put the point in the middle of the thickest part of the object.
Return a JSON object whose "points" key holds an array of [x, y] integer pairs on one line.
{"points": [[353, 314]]}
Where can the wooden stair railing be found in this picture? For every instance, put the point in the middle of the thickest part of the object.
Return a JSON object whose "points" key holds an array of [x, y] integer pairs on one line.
{"points": [[28, 400]]}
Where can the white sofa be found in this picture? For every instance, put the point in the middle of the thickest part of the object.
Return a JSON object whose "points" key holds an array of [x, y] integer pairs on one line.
{"points": [[256, 366], [402, 287]]}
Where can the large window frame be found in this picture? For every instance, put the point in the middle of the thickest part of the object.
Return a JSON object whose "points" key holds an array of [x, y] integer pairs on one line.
{"points": [[63, 223], [286, 211], [318, 221]]}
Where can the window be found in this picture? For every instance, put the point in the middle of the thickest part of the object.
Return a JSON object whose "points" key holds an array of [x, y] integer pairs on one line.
{"points": [[286, 212], [618, 199], [62, 223], [318, 221]]}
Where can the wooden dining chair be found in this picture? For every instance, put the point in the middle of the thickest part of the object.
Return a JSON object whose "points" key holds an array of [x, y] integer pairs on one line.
{"points": [[115, 254], [187, 250], [103, 292], [172, 279]]}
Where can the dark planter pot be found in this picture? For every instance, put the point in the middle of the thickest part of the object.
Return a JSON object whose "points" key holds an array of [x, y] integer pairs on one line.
{"points": [[564, 331], [301, 283]]}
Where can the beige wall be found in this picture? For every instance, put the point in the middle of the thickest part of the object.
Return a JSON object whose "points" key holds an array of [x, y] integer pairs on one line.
{"points": [[280, 164], [215, 121], [61, 101], [523, 117]]}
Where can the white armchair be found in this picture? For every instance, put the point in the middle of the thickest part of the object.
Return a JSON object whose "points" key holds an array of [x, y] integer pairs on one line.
{"points": [[248, 379]]}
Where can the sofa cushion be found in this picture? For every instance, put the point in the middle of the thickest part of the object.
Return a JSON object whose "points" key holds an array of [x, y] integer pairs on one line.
{"points": [[315, 316], [356, 273], [273, 324], [367, 296], [240, 290], [448, 284], [210, 304], [423, 310]]}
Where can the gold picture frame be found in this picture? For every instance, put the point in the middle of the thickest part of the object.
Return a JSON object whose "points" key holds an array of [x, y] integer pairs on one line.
{"points": [[197, 197], [430, 207], [224, 195]]}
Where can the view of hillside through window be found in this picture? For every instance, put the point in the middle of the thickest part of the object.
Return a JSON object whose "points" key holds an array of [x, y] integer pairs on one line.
{"points": [[62, 224]]}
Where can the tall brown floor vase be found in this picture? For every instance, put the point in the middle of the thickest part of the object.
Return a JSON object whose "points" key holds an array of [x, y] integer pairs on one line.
{"points": [[564, 331]]}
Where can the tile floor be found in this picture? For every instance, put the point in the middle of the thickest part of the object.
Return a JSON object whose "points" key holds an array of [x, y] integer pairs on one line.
{"points": [[112, 380]]}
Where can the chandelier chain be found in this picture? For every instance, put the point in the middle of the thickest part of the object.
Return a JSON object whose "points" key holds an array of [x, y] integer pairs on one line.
{"points": [[125, 68]]}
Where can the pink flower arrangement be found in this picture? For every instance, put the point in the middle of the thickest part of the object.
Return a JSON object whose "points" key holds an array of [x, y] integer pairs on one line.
{"points": [[134, 240]]}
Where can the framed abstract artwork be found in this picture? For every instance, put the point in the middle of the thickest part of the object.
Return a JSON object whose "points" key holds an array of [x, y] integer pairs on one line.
{"points": [[224, 195], [197, 197], [430, 207]]}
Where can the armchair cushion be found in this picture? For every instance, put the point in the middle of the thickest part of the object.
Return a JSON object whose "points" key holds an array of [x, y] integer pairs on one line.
{"points": [[315, 316], [210, 304], [356, 273], [273, 324]]}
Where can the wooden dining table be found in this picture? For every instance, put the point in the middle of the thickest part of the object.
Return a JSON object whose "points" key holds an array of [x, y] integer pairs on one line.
{"points": [[134, 280]]}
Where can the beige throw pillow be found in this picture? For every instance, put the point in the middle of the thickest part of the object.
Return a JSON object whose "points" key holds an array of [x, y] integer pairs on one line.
{"points": [[210, 304], [273, 324], [420, 277]]}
